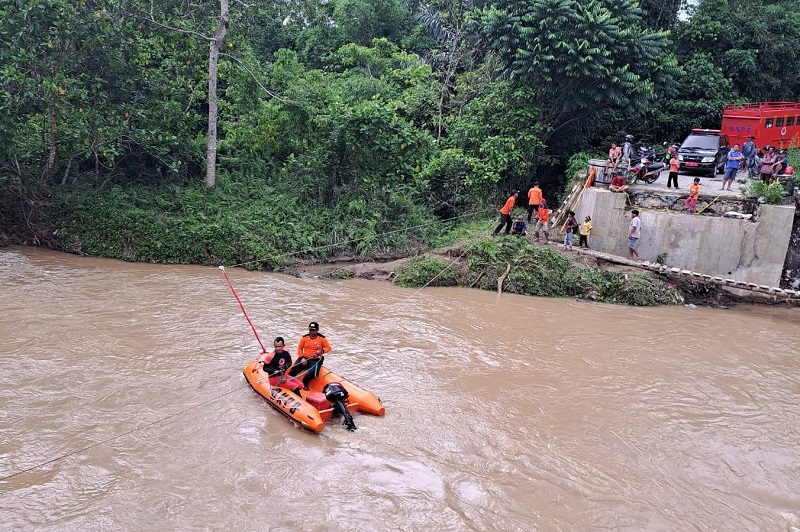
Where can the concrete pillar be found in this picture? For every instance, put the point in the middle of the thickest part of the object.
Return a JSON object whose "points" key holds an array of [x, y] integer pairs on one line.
{"points": [[749, 251]]}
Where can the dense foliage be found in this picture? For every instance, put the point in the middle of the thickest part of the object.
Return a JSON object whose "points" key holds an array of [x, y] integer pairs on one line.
{"points": [[350, 125]]}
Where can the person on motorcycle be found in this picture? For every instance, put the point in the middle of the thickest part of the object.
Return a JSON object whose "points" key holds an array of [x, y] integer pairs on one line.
{"points": [[627, 150], [749, 153]]}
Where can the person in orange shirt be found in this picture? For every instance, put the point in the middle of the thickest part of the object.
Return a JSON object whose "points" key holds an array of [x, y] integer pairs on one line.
{"points": [[694, 190], [674, 167], [543, 221], [506, 213], [534, 198], [310, 352]]}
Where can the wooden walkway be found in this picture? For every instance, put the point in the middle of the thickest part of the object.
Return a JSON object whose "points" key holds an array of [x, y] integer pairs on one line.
{"points": [[779, 294]]}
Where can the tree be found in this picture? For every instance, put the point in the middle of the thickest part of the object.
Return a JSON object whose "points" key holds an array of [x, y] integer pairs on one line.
{"points": [[578, 56], [754, 44], [360, 21], [701, 90], [661, 14], [214, 43], [458, 49], [56, 100]]}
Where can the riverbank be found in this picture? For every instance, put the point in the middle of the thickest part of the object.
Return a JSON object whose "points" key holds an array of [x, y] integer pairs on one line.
{"points": [[577, 274]]}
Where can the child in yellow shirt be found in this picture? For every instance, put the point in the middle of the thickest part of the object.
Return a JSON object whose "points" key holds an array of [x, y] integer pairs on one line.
{"points": [[586, 227]]}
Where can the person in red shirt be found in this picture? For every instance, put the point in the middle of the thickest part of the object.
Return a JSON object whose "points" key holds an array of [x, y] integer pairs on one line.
{"points": [[310, 352], [506, 213], [618, 184]]}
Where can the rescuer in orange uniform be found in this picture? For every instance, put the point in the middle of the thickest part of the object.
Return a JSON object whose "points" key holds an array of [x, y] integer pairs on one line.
{"points": [[543, 221], [310, 352], [506, 213], [534, 198]]}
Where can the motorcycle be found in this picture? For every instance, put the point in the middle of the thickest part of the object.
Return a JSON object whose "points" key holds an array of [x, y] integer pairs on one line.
{"points": [[672, 151], [649, 168], [752, 166]]}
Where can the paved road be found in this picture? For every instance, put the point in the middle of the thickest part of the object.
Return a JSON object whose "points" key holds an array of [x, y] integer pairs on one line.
{"points": [[707, 185]]}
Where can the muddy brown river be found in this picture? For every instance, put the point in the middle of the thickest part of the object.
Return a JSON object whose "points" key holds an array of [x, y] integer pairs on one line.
{"points": [[123, 407]]}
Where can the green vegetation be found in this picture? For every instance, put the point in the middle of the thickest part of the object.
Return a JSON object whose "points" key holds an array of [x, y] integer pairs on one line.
{"points": [[350, 126], [538, 271], [793, 154], [772, 193], [464, 231], [237, 222], [426, 271], [575, 171]]}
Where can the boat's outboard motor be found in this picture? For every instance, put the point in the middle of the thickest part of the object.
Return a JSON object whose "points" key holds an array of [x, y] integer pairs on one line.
{"points": [[337, 395]]}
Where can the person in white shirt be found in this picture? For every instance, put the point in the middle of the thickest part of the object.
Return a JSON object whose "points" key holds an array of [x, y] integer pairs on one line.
{"points": [[633, 235]]}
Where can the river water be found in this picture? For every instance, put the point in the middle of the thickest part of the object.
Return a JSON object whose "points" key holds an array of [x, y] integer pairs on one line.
{"points": [[123, 407]]}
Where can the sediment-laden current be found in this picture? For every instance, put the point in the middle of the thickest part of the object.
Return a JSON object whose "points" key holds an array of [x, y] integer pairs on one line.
{"points": [[123, 384]]}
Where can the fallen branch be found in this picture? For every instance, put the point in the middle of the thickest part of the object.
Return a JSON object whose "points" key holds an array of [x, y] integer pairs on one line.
{"points": [[503, 278], [477, 279]]}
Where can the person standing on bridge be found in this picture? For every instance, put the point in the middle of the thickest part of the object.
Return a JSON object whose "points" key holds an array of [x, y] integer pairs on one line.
{"points": [[749, 153], [311, 354], [674, 168], [735, 159], [768, 164], [783, 163], [627, 150]]}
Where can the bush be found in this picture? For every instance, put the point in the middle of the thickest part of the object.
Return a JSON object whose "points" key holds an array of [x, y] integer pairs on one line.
{"points": [[426, 271], [772, 193], [540, 271], [464, 231], [245, 221]]}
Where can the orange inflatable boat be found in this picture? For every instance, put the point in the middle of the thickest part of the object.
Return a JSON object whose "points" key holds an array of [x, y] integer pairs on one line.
{"points": [[328, 395]]}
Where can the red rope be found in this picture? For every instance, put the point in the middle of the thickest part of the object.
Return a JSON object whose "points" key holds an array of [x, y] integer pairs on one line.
{"points": [[222, 268]]}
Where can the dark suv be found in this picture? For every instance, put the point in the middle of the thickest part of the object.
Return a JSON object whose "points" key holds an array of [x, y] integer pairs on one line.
{"points": [[704, 151]]}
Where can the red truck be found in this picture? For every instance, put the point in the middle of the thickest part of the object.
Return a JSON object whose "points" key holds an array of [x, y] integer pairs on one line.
{"points": [[771, 123]]}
